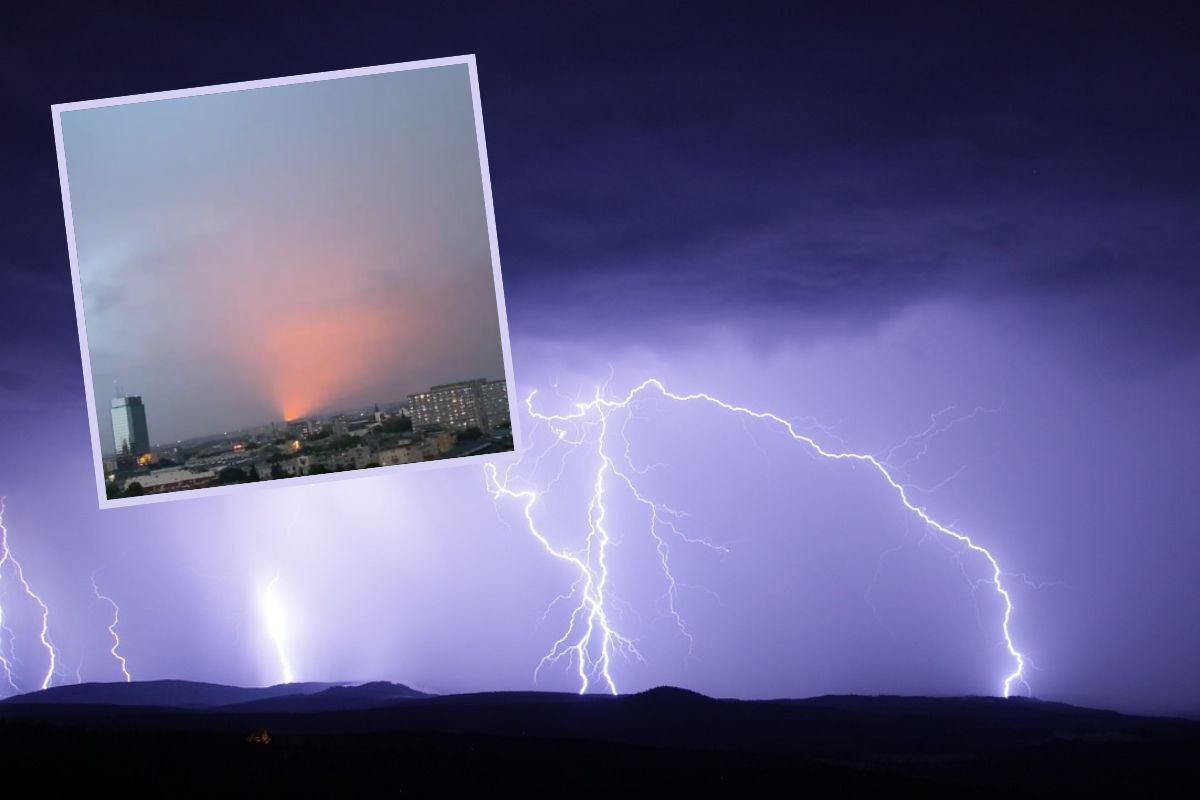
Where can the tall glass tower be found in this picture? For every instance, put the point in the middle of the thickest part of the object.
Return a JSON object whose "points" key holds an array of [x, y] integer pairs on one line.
{"points": [[130, 434]]}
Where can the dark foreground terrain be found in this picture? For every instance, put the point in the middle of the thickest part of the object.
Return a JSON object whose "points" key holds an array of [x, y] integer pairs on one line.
{"points": [[188, 738]]}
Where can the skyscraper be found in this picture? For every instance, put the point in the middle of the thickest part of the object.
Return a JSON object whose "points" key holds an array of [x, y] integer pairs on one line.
{"points": [[130, 435]]}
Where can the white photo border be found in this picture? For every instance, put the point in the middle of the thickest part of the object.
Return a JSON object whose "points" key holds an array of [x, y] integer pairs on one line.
{"points": [[93, 421]]}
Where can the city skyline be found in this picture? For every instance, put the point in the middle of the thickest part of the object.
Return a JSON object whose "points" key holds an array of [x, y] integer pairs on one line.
{"points": [[465, 418], [279, 252], [111, 447]]}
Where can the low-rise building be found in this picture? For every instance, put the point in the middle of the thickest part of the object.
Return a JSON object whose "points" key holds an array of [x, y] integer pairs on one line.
{"points": [[171, 480], [288, 467], [437, 443], [356, 457], [404, 451]]}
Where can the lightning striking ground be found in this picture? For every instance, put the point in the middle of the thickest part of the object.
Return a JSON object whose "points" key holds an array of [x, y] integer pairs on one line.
{"points": [[6, 660], [112, 629], [591, 639], [277, 629], [7, 558]]}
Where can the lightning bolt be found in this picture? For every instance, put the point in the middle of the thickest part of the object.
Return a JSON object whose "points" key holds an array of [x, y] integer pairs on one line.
{"points": [[112, 629], [277, 628], [936, 428], [6, 557], [6, 661], [591, 641]]}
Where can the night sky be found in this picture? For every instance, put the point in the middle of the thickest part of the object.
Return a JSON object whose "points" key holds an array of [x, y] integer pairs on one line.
{"points": [[864, 216]]}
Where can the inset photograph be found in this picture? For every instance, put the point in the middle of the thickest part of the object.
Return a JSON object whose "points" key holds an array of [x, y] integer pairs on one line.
{"points": [[286, 279]]}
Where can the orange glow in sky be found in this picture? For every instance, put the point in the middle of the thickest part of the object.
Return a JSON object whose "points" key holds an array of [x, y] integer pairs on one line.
{"points": [[321, 358]]}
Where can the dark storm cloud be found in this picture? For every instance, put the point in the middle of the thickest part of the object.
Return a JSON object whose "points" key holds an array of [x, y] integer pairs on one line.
{"points": [[775, 160], [836, 176]]}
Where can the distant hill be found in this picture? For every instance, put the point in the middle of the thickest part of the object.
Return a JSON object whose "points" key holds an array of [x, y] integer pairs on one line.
{"points": [[378, 694], [319, 736], [162, 694]]}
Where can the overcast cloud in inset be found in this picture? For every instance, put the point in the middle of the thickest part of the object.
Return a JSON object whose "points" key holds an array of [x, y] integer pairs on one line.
{"points": [[278, 252]]}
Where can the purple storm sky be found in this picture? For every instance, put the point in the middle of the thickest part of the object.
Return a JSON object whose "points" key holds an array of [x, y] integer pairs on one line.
{"points": [[864, 218]]}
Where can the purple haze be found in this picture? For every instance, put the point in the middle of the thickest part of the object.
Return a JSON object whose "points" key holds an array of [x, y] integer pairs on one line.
{"points": [[861, 220]]}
